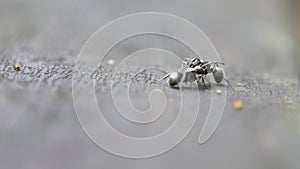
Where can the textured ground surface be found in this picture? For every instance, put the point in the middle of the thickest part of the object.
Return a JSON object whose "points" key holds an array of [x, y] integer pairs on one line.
{"points": [[38, 124]]}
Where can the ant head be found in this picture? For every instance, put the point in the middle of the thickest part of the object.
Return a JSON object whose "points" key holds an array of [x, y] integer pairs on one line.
{"points": [[195, 62]]}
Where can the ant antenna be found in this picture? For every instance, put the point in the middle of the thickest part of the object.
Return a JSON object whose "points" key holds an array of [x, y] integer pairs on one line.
{"points": [[209, 63]]}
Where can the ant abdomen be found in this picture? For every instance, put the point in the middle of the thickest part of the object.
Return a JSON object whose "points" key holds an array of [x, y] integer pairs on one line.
{"points": [[218, 74]]}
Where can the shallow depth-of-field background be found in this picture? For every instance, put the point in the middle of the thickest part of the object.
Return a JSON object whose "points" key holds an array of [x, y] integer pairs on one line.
{"points": [[38, 124]]}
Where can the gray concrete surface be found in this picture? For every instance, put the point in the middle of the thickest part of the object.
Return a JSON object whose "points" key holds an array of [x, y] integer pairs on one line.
{"points": [[38, 124]]}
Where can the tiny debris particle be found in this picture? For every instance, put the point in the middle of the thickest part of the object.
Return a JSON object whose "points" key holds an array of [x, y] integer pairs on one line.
{"points": [[241, 84], [111, 62], [237, 105], [17, 67], [219, 91]]}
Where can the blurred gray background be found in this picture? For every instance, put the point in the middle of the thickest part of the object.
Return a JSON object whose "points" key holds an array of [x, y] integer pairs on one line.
{"points": [[256, 40]]}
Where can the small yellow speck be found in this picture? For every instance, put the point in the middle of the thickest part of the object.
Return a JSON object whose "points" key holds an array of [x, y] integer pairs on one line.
{"points": [[16, 67], [111, 62], [238, 105], [219, 91]]}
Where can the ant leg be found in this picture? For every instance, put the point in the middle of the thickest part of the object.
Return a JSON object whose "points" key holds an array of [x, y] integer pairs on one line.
{"points": [[228, 83], [199, 80], [202, 77]]}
